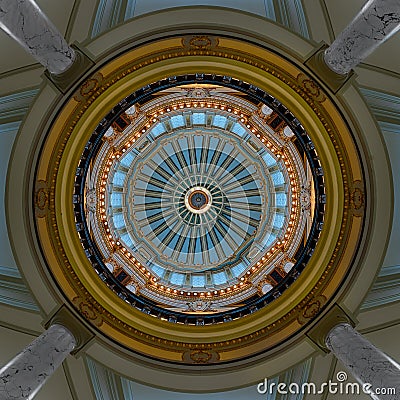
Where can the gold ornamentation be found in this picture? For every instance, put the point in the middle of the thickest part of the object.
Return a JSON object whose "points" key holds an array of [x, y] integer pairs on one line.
{"points": [[41, 199], [357, 198], [201, 42], [89, 87], [87, 310], [311, 88], [310, 306], [200, 356], [312, 309]]}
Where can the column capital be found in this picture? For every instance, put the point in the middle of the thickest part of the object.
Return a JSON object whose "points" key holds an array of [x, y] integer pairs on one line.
{"points": [[63, 316], [64, 81], [317, 64], [335, 316]]}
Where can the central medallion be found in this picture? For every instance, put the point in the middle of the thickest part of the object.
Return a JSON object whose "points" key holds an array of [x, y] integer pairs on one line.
{"points": [[198, 200]]}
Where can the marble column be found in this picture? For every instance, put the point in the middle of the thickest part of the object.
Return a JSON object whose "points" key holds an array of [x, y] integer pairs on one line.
{"points": [[375, 23], [27, 372], [367, 363], [25, 22]]}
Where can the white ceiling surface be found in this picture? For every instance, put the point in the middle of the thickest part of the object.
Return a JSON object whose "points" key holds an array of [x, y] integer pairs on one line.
{"points": [[73, 378]]}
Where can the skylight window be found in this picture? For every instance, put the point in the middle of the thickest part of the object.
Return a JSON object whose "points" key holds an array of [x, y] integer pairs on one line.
{"points": [[177, 278], [119, 178], [219, 121], [158, 129], [116, 199], [118, 220], [177, 121], [278, 178], [269, 160], [198, 280], [199, 118], [238, 129], [219, 278], [280, 199]]}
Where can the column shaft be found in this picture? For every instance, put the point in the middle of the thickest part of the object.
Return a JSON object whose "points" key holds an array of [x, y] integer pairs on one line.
{"points": [[27, 372], [25, 22], [367, 363], [375, 23]]}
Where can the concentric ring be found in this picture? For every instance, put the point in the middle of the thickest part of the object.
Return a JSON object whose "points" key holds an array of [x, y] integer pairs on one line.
{"points": [[248, 242], [122, 296]]}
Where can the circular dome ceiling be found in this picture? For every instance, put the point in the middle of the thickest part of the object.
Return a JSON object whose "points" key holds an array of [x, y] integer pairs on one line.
{"points": [[199, 201], [195, 201]]}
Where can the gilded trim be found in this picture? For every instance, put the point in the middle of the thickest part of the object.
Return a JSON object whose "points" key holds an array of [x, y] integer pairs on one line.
{"points": [[264, 329]]}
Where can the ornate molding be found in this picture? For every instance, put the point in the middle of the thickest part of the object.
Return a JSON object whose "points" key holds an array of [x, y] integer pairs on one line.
{"points": [[311, 87], [87, 309], [357, 198], [200, 42], [200, 356], [41, 198], [71, 272], [311, 309]]}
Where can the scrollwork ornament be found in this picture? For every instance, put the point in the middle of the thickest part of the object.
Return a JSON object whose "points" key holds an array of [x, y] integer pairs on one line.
{"points": [[357, 198], [91, 200], [311, 309], [41, 199], [199, 306], [200, 356], [305, 199], [89, 87], [200, 42], [87, 310], [311, 88]]}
